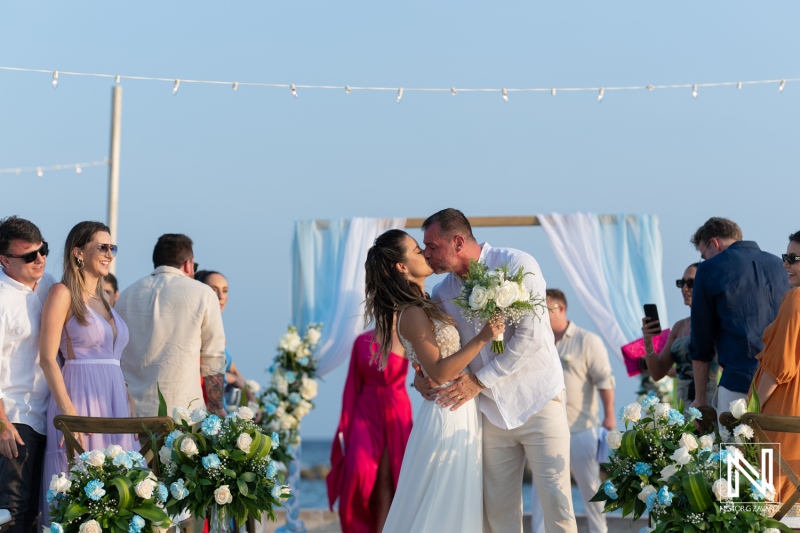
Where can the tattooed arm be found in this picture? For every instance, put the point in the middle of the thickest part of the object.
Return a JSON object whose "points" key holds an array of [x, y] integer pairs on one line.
{"points": [[212, 353], [214, 386]]}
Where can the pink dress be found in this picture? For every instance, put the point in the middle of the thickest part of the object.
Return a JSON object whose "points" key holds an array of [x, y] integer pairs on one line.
{"points": [[96, 387], [376, 416]]}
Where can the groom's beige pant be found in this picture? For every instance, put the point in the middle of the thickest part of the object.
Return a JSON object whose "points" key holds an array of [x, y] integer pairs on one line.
{"points": [[544, 440]]}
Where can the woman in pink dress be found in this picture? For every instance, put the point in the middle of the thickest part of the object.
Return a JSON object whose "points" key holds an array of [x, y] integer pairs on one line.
{"points": [[80, 325], [371, 439]]}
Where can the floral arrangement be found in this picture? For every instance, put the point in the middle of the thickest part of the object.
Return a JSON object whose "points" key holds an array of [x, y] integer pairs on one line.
{"points": [[659, 465], [225, 462], [108, 490], [489, 293], [288, 399]]}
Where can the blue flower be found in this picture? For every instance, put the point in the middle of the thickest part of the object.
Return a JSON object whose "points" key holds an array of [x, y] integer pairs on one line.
{"points": [[178, 491], [136, 524], [84, 456], [290, 377], [649, 401], [761, 490], [270, 408], [665, 496], [276, 492], [136, 457], [272, 470], [171, 438], [651, 500], [211, 461], [162, 493], [122, 459], [94, 489], [643, 469], [694, 413], [295, 397], [272, 397], [55, 527], [271, 369], [674, 418], [211, 425], [276, 440], [51, 495], [724, 456], [303, 361], [610, 490]]}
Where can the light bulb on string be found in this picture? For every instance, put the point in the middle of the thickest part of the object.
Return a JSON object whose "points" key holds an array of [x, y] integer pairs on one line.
{"points": [[78, 169], [293, 89], [504, 94], [694, 91], [553, 91], [600, 95], [55, 79], [235, 85], [347, 89], [175, 87], [399, 94], [650, 87], [116, 79], [739, 85], [453, 91], [782, 86], [39, 172]]}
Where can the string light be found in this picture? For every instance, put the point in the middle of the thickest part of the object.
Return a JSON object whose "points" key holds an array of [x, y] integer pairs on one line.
{"points": [[739, 85], [55, 79], [235, 85], [694, 91], [600, 95], [116, 79], [399, 94], [40, 169], [39, 172], [650, 87], [175, 87], [782, 86], [294, 90], [347, 89], [78, 169], [553, 91], [505, 95], [453, 91]]}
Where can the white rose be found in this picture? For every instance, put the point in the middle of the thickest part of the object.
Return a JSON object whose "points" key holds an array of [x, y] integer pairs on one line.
{"points": [[720, 490], [290, 342], [144, 489], [771, 530], [113, 450], [281, 385], [288, 422], [662, 410], [507, 293], [244, 413], [198, 415], [742, 430], [667, 472], [60, 483], [253, 385], [165, 454], [243, 442], [308, 388], [90, 527], [300, 411], [524, 295], [274, 425], [633, 412], [647, 490], [181, 414], [313, 335], [223, 495], [189, 447], [479, 297], [738, 407], [96, 458], [707, 440], [614, 439], [280, 411], [688, 441], [681, 455]]}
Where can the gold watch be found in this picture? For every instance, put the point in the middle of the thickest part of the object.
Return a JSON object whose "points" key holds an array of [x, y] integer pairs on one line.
{"points": [[2, 426]]}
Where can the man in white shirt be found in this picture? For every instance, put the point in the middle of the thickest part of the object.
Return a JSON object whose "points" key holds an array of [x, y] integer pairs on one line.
{"points": [[522, 401], [587, 373], [23, 389], [176, 334]]}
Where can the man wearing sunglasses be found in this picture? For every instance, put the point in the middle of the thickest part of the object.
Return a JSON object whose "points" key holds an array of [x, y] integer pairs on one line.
{"points": [[24, 394], [737, 292]]}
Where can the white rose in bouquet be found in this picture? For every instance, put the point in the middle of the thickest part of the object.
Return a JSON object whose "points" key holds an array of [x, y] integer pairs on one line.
{"points": [[244, 413], [496, 277], [113, 450], [144, 489], [288, 422], [96, 458], [223, 495], [165, 454], [688, 441], [198, 415], [301, 409], [507, 293], [479, 297], [280, 383], [667, 472], [253, 386], [290, 342], [632, 412], [243, 442], [614, 439], [662, 410], [308, 388], [738, 407], [274, 425], [524, 295], [707, 440], [720, 490], [742, 430], [90, 527], [60, 483], [647, 490], [313, 335], [681, 455], [280, 411], [189, 447], [181, 414]]}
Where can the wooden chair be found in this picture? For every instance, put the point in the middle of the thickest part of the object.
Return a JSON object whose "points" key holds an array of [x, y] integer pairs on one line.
{"points": [[789, 513]]}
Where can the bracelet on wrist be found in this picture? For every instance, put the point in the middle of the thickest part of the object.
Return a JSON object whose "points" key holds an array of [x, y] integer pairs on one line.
{"points": [[480, 383]]}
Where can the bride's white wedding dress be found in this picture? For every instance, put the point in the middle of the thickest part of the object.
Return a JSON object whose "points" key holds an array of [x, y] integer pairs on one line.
{"points": [[440, 489]]}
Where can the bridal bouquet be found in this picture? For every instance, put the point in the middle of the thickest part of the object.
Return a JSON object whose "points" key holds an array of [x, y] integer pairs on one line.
{"points": [[659, 465], [222, 464], [486, 294], [107, 490], [289, 397]]}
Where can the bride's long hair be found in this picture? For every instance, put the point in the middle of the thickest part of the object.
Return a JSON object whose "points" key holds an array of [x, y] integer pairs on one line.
{"points": [[388, 292]]}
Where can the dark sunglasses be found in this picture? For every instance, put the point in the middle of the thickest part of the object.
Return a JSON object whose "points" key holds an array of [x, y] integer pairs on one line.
{"points": [[197, 267], [681, 283], [30, 257], [105, 248], [790, 258]]}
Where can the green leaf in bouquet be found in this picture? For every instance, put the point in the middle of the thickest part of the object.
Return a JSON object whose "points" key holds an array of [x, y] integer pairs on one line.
{"points": [[162, 403], [228, 472], [120, 523], [631, 444], [754, 404], [123, 486], [74, 510], [239, 456], [205, 481], [248, 477], [697, 492], [150, 511], [188, 470], [771, 522], [243, 489], [260, 446]]}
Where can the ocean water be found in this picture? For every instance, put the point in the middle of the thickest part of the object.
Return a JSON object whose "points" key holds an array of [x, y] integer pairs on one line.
{"points": [[313, 493]]}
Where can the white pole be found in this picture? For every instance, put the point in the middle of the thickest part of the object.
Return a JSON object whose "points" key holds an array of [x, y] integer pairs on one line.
{"points": [[113, 167]]}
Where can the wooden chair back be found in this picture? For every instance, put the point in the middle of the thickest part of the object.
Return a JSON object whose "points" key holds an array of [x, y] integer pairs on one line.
{"points": [[142, 426]]}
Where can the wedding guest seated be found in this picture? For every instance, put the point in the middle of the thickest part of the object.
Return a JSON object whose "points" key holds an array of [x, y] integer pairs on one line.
{"points": [[676, 350], [777, 378], [111, 288], [371, 439]]}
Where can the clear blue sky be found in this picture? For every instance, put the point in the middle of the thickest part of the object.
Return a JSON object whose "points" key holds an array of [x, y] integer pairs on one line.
{"points": [[235, 169]]}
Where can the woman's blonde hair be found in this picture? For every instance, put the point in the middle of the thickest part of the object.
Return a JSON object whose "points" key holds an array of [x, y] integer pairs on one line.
{"points": [[389, 292], [79, 236]]}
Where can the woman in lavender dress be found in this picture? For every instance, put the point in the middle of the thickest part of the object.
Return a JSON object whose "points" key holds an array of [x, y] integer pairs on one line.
{"points": [[80, 325]]}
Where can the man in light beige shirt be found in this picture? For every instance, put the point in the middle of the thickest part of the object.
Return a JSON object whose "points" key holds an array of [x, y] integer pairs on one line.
{"points": [[587, 369], [176, 334]]}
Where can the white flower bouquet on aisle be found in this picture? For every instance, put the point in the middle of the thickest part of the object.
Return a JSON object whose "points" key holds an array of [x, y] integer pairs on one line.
{"points": [[489, 293]]}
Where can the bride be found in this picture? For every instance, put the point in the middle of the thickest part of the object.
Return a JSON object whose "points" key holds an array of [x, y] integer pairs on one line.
{"points": [[440, 485]]}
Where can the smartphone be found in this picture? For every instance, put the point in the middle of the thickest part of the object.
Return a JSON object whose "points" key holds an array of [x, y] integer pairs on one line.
{"points": [[651, 313]]}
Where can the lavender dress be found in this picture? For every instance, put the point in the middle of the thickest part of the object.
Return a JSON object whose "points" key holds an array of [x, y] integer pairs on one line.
{"points": [[96, 387]]}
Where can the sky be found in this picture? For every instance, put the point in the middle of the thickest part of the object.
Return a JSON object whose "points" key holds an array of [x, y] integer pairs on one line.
{"points": [[235, 169]]}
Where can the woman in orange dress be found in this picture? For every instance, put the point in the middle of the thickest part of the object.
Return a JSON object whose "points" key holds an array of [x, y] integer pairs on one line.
{"points": [[777, 379]]}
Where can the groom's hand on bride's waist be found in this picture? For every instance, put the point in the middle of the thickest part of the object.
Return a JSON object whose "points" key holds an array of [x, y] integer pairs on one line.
{"points": [[465, 388], [425, 386]]}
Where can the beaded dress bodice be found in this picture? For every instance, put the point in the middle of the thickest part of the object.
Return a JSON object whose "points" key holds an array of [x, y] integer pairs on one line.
{"points": [[446, 337]]}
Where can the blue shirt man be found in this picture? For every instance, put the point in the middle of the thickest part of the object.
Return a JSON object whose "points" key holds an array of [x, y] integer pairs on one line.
{"points": [[737, 293]]}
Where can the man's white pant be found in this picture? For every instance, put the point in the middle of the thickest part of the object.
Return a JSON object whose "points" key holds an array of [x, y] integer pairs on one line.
{"points": [[722, 400], [586, 471], [544, 440]]}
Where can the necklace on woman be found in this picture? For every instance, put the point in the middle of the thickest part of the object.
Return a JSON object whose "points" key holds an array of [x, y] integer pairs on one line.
{"points": [[91, 295]]}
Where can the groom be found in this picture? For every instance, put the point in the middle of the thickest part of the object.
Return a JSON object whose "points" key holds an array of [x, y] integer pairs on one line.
{"points": [[522, 402]]}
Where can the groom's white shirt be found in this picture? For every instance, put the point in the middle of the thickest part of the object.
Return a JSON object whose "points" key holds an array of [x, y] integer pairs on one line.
{"points": [[520, 381]]}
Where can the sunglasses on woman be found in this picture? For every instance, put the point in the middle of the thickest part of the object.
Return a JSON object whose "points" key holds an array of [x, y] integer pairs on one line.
{"points": [[30, 257], [105, 248], [681, 283], [790, 258]]}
